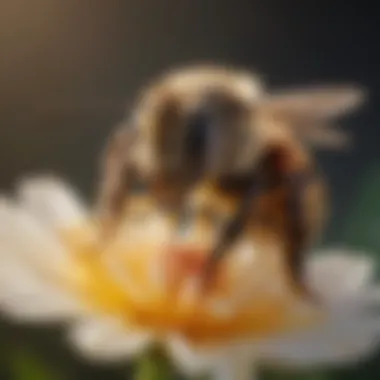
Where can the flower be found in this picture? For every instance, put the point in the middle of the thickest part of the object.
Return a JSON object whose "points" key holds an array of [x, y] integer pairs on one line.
{"points": [[118, 300]]}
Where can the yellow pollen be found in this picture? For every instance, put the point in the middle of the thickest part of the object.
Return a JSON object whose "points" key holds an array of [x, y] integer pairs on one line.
{"points": [[145, 284]]}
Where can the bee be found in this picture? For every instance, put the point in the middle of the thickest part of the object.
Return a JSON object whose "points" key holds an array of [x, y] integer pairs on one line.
{"points": [[219, 126], [186, 125]]}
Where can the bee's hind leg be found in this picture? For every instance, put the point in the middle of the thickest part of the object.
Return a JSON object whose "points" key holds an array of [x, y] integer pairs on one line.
{"points": [[298, 232]]}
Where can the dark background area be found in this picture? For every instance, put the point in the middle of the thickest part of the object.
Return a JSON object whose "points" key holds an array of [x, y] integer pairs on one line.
{"points": [[69, 69]]}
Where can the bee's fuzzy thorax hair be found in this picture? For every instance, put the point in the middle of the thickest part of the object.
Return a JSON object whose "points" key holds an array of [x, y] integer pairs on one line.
{"points": [[189, 80]]}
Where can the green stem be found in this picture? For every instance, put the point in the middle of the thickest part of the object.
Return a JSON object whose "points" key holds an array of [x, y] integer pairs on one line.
{"points": [[154, 365]]}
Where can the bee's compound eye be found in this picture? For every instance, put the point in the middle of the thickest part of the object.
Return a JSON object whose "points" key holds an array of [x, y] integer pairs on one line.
{"points": [[198, 124]]}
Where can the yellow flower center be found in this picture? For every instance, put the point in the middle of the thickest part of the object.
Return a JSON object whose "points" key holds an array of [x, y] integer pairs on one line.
{"points": [[150, 281]]}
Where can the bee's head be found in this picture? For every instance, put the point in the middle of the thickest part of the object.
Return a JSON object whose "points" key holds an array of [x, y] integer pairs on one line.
{"points": [[196, 120]]}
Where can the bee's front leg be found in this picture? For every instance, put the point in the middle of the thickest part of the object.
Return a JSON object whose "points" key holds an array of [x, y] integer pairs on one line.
{"points": [[232, 229], [117, 174]]}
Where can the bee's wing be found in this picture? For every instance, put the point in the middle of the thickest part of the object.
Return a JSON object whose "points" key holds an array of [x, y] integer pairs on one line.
{"points": [[325, 136], [323, 102], [310, 112]]}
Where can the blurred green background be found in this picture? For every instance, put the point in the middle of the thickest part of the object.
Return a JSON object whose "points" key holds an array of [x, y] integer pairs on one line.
{"points": [[69, 69]]}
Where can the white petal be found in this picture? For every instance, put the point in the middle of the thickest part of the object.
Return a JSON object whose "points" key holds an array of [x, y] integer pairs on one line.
{"points": [[108, 339], [25, 237], [52, 201], [28, 296], [234, 366], [190, 360], [31, 259], [229, 362], [337, 273], [343, 339], [41, 307]]}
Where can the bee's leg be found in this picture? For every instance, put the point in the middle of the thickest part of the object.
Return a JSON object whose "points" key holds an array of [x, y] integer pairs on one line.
{"points": [[201, 210], [117, 174], [232, 230], [298, 232]]}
